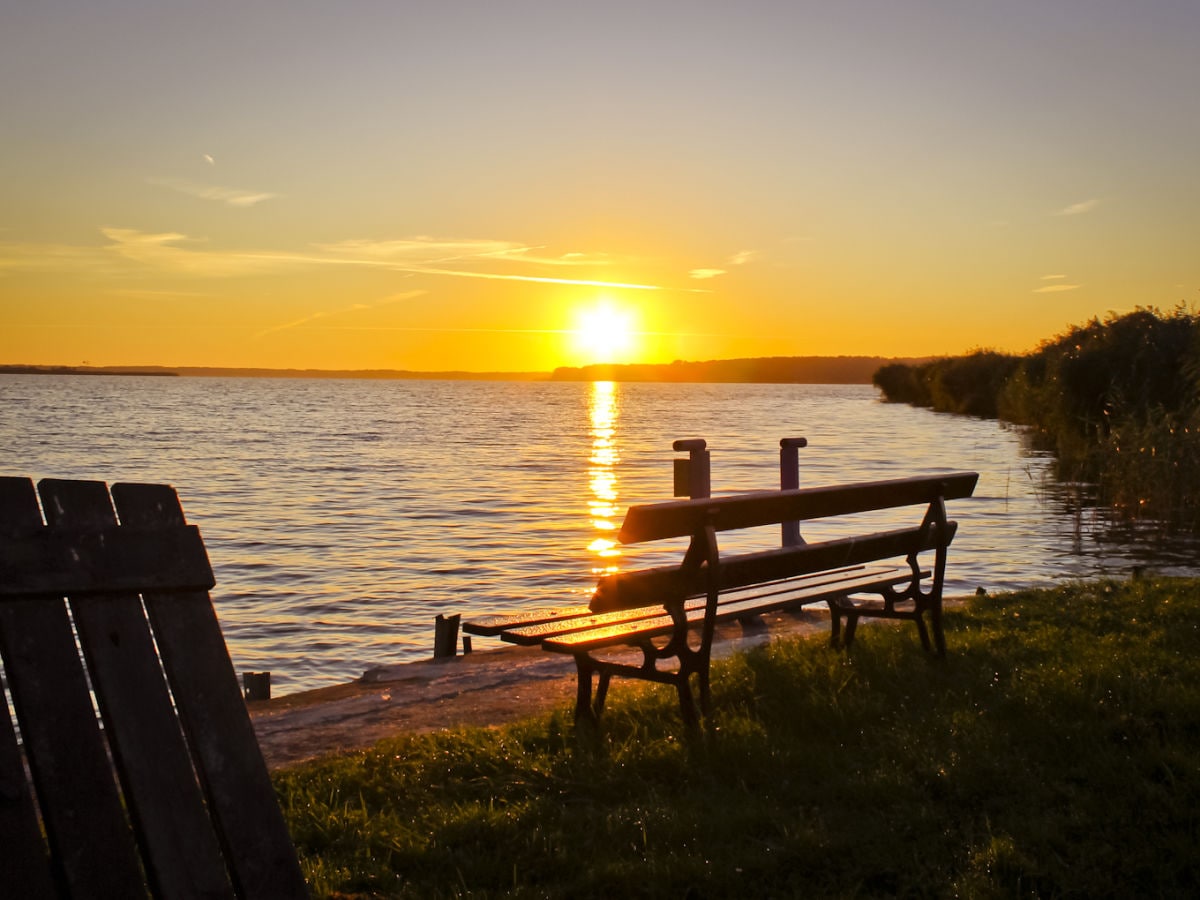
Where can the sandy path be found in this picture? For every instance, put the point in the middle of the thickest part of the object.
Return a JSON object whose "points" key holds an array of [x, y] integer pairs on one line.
{"points": [[485, 688]]}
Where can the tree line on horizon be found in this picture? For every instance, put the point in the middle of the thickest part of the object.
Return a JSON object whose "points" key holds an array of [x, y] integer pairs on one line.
{"points": [[1117, 400]]}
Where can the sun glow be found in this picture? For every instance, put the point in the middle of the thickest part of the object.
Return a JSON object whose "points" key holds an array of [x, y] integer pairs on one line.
{"points": [[605, 333]]}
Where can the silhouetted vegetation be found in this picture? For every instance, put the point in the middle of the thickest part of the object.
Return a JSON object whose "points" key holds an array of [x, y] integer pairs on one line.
{"points": [[1118, 401], [758, 370], [1054, 753]]}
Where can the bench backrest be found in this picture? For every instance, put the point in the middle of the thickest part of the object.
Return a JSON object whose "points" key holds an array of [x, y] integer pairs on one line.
{"points": [[166, 792], [692, 518], [687, 518]]}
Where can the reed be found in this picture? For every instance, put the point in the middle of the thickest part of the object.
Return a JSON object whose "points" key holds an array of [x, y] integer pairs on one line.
{"points": [[1117, 401], [1055, 752]]}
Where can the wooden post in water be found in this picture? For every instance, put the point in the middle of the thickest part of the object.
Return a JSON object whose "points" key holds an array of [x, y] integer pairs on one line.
{"points": [[693, 476], [257, 685], [789, 479], [445, 636]]}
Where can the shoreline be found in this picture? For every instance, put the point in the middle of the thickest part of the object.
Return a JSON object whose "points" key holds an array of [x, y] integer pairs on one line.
{"points": [[485, 688]]}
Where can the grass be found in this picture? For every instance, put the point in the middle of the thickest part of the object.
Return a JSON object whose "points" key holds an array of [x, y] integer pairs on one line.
{"points": [[1054, 753]]}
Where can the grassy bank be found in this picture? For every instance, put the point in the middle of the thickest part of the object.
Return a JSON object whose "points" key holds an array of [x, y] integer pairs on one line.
{"points": [[1055, 752]]}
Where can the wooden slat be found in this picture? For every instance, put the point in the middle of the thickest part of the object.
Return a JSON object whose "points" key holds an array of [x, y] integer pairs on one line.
{"points": [[629, 590], [218, 728], [180, 852], [641, 629], [104, 558], [26, 860], [26, 863], [90, 840], [534, 634], [490, 626], [682, 518]]}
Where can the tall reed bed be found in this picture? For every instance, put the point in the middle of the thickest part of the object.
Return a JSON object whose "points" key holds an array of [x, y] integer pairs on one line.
{"points": [[1118, 401]]}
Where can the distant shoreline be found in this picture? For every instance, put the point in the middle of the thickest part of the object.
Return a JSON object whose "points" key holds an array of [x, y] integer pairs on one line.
{"points": [[766, 370]]}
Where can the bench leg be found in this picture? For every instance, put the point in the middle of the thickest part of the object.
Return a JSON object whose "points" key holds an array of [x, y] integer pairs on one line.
{"points": [[601, 692], [939, 636], [705, 693], [835, 622], [583, 695], [687, 704], [923, 632], [851, 627]]}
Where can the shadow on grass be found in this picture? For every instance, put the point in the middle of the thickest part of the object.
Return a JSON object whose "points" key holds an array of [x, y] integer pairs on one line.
{"points": [[1053, 753]]}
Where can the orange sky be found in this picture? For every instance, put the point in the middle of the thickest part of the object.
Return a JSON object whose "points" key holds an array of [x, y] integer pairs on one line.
{"points": [[463, 185]]}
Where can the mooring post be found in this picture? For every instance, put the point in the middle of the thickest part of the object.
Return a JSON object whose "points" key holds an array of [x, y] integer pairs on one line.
{"points": [[445, 636], [693, 476], [789, 479], [257, 685]]}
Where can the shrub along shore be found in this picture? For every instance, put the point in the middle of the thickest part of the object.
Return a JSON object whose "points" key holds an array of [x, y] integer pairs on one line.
{"points": [[1118, 401], [1054, 752]]}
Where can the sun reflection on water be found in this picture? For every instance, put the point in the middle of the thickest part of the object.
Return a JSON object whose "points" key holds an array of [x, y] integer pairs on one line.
{"points": [[602, 476]]}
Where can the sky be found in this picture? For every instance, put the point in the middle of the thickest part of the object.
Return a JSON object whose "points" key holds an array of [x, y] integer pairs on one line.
{"points": [[515, 186]]}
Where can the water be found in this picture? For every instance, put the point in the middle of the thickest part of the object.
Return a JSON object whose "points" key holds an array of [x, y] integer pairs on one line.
{"points": [[342, 516]]}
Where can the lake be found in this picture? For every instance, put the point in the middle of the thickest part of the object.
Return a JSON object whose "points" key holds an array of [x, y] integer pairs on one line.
{"points": [[342, 516]]}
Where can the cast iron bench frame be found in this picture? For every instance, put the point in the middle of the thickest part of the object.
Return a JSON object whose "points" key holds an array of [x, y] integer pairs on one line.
{"points": [[670, 613], [166, 793]]}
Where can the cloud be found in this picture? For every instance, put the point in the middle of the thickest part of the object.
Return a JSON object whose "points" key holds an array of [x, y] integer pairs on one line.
{"points": [[1078, 209], [162, 251], [179, 254], [704, 274], [228, 196], [208, 159], [1055, 288], [1052, 277], [740, 259], [354, 307]]}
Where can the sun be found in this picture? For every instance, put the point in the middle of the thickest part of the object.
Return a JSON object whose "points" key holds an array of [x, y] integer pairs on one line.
{"points": [[605, 332]]}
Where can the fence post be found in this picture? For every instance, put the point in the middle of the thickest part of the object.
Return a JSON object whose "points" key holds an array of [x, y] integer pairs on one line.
{"points": [[693, 476], [789, 479]]}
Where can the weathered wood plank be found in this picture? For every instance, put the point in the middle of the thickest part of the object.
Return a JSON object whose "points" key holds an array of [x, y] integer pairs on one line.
{"points": [[629, 590], [531, 635], [179, 848], [683, 518], [26, 858], [626, 631], [103, 558], [90, 841], [218, 728], [491, 626]]}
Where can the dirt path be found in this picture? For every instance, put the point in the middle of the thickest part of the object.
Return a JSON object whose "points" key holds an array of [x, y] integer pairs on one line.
{"points": [[484, 688]]}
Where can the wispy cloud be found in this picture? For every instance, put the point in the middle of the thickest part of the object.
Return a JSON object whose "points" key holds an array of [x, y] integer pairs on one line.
{"points": [[354, 307], [226, 195], [745, 256], [1052, 277], [1056, 288], [208, 159], [1078, 209], [163, 251], [705, 274], [179, 254]]}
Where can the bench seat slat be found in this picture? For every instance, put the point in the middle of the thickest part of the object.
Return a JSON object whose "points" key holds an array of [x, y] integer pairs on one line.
{"points": [[532, 635], [491, 626], [640, 629]]}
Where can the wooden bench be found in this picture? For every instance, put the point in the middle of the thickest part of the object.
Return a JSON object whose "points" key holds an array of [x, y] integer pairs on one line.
{"points": [[165, 792], [670, 613]]}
